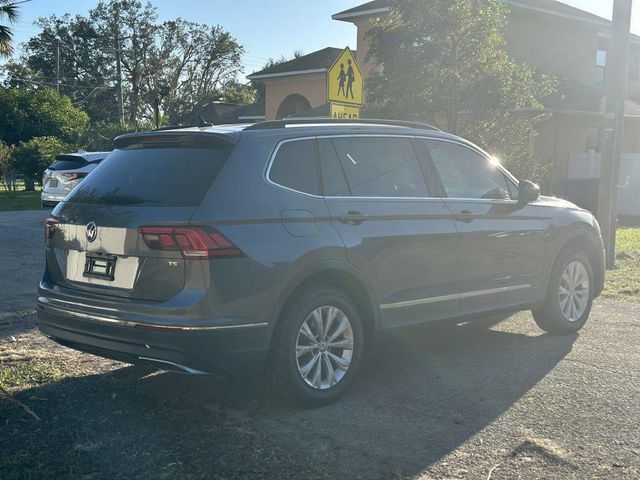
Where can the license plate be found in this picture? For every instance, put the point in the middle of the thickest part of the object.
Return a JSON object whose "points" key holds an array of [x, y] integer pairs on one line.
{"points": [[53, 183], [100, 265]]}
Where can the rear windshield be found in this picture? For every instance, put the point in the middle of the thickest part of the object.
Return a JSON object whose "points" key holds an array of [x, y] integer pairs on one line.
{"points": [[155, 177], [68, 163]]}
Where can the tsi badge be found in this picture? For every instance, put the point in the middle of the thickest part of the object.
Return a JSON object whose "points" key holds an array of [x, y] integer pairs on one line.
{"points": [[173, 263], [92, 231]]}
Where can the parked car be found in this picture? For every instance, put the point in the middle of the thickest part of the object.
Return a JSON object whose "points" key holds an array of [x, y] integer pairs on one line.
{"points": [[292, 244], [65, 173]]}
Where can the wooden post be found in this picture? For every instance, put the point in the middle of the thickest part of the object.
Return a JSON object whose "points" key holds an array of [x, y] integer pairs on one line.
{"points": [[616, 91]]}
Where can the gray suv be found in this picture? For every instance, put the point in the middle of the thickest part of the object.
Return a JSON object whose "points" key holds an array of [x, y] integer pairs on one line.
{"points": [[292, 244]]}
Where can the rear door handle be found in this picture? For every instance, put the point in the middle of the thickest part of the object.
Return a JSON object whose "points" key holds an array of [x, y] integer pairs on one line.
{"points": [[464, 216], [353, 217]]}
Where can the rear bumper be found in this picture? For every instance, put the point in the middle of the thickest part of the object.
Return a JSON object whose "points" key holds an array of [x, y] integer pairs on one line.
{"points": [[49, 198], [221, 346]]}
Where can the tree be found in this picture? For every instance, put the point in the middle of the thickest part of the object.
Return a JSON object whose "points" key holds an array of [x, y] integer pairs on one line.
{"points": [[100, 137], [34, 156], [444, 62], [198, 62], [242, 94], [87, 66], [167, 69], [7, 169], [8, 11], [25, 114]]}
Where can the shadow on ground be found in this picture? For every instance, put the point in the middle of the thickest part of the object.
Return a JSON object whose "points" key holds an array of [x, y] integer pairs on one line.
{"points": [[425, 391]]}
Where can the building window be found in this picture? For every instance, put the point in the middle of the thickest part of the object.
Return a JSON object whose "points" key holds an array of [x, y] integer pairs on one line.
{"points": [[601, 66]]}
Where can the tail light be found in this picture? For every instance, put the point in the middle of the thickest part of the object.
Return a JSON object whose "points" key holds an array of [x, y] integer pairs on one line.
{"points": [[192, 242], [50, 226], [74, 176]]}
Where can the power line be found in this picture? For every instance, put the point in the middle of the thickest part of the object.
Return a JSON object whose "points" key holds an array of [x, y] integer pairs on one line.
{"points": [[53, 84]]}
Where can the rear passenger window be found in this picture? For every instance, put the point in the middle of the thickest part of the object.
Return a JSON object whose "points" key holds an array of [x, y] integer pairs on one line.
{"points": [[295, 167], [370, 167]]}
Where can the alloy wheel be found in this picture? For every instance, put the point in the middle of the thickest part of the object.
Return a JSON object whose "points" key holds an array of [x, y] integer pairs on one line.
{"points": [[573, 291], [324, 347]]}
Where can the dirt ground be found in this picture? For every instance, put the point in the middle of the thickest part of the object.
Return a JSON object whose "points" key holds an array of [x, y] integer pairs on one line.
{"points": [[476, 401]]}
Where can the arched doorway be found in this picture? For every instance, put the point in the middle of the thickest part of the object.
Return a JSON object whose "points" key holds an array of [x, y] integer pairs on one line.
{"points": [[294, 103]]}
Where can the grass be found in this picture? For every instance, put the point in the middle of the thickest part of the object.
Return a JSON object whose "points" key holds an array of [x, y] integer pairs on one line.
{"points": [[624, 281], [22, 201], [28, 374]]}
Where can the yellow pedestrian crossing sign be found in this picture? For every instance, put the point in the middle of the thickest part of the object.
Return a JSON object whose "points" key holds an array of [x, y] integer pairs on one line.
{"points": [[345, 80]]}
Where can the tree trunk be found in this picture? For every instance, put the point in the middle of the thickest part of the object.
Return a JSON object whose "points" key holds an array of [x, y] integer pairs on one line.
{"points": [[29, 183]]}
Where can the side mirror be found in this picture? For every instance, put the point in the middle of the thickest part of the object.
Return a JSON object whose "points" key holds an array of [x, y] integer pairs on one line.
{"points": [[528, 192]]}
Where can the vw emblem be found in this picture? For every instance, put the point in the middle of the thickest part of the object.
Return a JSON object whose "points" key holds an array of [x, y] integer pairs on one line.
{"points": [[92, 231]]}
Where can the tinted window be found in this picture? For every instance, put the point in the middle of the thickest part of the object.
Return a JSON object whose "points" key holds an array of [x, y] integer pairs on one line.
{"points": [[370, 167], [465, 173], [67, 163], [177, 177], [295, 167]]}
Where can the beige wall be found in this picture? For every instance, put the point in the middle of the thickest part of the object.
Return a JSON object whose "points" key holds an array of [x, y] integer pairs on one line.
{"points": [[363, 25], [554, 44], [313, 87], [561, 135]]}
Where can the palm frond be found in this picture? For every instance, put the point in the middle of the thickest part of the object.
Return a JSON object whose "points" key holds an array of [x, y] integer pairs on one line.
{"points": [[6, 35], [9, 10]]}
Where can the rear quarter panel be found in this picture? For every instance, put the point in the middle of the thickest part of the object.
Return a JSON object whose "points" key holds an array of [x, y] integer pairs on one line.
{"points": [[280, 232]]}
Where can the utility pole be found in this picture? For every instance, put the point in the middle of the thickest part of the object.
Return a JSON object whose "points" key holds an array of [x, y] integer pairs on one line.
{"points": [[58, 66], [616, 93], [119, 74]]}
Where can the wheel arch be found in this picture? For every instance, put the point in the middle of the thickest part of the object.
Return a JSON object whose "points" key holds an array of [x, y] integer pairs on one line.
{"points": [[342, 275], [586, 240]]}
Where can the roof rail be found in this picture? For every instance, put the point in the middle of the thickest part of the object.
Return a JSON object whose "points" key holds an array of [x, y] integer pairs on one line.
{"points": [[272, 124]]}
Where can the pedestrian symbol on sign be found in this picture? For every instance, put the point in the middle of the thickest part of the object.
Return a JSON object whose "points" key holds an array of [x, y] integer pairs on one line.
{"points": [[345, 80]]}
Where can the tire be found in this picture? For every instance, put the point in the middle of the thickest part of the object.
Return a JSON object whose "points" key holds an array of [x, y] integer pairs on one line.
{"points": [[288, 368], [552, 317]]}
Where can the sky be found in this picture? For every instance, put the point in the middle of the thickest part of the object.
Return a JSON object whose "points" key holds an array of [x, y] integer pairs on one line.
{"points": [[265, 32]]}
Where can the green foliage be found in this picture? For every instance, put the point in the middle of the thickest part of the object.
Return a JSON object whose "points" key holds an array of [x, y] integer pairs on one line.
{"points": [[26, 374], [168, 69], [21, 200], [34, 156], [99, 138], [239, 93], [444, 62], [7, 169], [624, 281], [9, 12], [25, 114]]}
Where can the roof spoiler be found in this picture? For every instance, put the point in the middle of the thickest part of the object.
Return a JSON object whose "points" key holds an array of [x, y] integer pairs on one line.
{"points": [[175, 138]]}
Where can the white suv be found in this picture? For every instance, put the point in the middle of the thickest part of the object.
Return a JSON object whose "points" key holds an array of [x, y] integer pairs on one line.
{"points": [[65, 173]]}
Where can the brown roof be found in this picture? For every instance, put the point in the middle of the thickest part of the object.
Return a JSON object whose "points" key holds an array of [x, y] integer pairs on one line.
{"points": [[319, 60], [363, 9], [552, 7]]}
